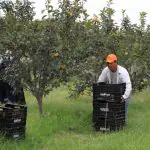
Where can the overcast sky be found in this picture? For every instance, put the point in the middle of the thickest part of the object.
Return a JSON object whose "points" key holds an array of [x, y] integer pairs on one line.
{"points": [[133, 7]]}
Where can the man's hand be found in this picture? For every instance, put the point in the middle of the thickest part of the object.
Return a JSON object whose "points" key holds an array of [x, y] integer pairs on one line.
{"points": [[122, 99]]}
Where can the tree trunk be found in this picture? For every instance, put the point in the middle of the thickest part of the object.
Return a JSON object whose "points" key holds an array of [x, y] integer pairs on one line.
{"points": [[40, 104]]}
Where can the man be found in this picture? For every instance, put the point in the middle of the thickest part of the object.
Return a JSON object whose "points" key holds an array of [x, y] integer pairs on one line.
{"points": [[116, 74], [7, 94]]}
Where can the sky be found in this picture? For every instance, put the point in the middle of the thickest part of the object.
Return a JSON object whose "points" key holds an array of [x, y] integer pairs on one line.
{"points": [[132, 7]]}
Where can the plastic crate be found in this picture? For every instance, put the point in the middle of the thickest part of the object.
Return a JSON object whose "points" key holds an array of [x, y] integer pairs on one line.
{"points": [[106, 106], [12, 116], [105, 124], [117, 89], [10, 112], [107, 127], [5, 126], [108, 92], [109, 121], [105, 97], [15, 133], [105, 114]]}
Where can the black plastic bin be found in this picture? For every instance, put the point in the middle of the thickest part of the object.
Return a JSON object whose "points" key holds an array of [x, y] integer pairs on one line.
{"points": [[108, 88], [108, 110], [17, 133], [13, 120], [108, 92]]}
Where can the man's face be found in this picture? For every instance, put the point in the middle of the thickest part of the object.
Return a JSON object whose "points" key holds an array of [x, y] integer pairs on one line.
{"points": [[112, 66]]}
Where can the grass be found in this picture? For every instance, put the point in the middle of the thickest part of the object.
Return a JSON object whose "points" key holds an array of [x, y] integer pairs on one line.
{"points": [[66, 125]]}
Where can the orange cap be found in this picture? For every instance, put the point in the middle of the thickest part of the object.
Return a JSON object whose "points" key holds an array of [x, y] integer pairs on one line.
{"points": [[111, 58]]}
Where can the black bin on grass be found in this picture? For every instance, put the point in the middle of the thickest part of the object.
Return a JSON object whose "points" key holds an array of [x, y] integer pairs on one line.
{"points": [[108, 111], [108, 92], [13, 120], [13, 112]]}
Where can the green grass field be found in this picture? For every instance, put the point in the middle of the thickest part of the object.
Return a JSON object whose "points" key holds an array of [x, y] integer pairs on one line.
{"points": [[67, 125]]}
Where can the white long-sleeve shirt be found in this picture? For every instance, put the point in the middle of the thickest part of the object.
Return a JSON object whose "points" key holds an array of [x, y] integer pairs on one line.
{"points": [[118, 77]]}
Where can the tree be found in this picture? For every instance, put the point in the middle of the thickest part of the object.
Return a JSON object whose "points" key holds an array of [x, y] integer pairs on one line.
{"points": [[33, 47]]}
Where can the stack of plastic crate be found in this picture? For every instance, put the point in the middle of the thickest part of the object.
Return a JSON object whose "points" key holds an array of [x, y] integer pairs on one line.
{"points": [[108, 110], [13, 113], [13, 120]]}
